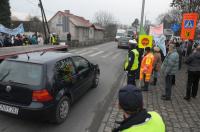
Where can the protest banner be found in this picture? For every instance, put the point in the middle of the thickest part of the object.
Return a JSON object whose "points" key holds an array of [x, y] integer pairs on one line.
{"points": [[145, 41], [189, 24]]}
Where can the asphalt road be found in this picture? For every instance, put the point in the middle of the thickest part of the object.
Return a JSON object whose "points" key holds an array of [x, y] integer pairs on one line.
{"points": [[87, 113]]}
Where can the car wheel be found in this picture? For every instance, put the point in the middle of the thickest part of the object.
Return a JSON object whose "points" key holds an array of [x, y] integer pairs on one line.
{"points": [[96, 80], [62, 110]]}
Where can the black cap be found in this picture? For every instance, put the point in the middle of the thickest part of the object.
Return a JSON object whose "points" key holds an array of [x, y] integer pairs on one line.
{"points": [[130, 98]]}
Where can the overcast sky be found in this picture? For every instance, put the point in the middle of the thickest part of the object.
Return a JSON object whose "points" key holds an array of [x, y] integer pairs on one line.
{"points": [[125, 11]]}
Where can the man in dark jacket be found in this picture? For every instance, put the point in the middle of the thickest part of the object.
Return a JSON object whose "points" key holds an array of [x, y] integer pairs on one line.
{"points": [[193, 63]]}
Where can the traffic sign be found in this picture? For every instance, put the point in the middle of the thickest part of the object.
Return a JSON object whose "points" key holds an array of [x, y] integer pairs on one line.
{"points": [[189, 23], [175, 27], [189, 26], [145, 41]]}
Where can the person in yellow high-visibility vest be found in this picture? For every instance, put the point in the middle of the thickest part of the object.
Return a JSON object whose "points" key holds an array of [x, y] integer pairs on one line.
{"points": [[131, 62], [136, 118], [53, 39], [146, 68]]}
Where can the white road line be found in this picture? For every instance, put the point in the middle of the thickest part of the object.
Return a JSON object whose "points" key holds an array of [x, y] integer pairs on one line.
{"points": [[100, 52], [85, 53], [81, 51], [115, 56], [73, 50], [110, 53]]}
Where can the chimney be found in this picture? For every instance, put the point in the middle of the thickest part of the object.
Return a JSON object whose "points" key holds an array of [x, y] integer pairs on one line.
{"points": [[67, 11]]}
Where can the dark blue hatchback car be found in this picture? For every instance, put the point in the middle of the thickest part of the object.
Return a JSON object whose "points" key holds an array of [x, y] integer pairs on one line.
{"points": [[45, 84]]}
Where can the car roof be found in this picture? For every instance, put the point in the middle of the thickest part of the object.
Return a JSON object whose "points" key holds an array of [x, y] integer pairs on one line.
{"points": [[41, 57]]}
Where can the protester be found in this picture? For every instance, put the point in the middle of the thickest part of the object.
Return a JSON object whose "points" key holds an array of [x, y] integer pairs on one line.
{"points": [[136, 118], [40, 40], [193, 63], [146, 68], [157, 64], [169, 68]]}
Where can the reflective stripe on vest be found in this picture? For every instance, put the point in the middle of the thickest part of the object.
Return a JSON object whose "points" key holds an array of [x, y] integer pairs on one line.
{"points": [[155, 124], [135, 63]]}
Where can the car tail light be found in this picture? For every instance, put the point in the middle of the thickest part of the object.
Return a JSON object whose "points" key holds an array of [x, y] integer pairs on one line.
{"points": [[41, 96]]}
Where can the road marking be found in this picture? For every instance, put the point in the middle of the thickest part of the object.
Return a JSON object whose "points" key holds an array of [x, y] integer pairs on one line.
{"points": [[116, 55], [110, 53], [85, 53], [79, 52], [73, 50], [100, 52]]}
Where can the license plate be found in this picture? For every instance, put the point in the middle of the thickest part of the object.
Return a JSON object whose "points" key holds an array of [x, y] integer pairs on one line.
{"points": [[9, 109]]}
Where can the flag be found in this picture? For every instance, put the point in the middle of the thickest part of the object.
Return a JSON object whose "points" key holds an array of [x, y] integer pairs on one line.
{"points": [[142, 31]]}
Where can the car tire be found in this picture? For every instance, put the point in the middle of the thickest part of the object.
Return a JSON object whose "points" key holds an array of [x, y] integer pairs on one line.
{"points": [[96, 80], [62, 110]]}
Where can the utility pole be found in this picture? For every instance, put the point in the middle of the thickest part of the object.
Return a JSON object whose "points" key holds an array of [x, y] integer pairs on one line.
{"points": [[44, 21], [142, 14]]}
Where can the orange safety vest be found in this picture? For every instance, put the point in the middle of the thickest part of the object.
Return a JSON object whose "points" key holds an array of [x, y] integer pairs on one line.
{"points": [[147, 67]]}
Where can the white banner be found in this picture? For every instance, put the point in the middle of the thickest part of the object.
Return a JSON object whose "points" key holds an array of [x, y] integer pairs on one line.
{"points": [[18, 30], [160, 42]]}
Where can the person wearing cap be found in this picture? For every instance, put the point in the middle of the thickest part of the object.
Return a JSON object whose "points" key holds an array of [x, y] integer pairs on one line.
{"points": [[136, 118], [146, 68], [157, 64], [131, 62], [169, 68], [193, 63]]}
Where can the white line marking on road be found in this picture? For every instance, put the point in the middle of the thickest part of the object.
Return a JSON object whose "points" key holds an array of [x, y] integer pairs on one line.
{"points": [[79, 52], [100, 52], [115, 56], [73, 50], [109, 54], [85, 53]]}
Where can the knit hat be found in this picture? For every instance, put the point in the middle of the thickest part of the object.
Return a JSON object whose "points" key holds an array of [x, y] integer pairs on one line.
{"points": [[130, 98]]}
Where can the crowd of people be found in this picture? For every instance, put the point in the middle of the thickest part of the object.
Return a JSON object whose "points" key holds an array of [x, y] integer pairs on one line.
{"points": [[20, 40], [150, 64]]}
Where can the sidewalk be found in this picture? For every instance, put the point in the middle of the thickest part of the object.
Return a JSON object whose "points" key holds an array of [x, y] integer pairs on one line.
{"points": [[178, 114]]}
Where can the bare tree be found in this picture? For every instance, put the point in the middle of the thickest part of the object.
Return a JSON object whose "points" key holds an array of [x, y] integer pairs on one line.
{"points": [[104, 18]]}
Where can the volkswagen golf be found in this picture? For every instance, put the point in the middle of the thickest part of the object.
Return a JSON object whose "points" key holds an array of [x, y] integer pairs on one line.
{"points": [[45, 84]]}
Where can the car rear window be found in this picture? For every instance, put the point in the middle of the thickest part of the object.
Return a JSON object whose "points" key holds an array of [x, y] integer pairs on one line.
{"points": [[21, 72]]}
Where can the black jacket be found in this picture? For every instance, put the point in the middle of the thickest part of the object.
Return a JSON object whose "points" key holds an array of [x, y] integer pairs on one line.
{"points": [[131, 57], [193, 61]]}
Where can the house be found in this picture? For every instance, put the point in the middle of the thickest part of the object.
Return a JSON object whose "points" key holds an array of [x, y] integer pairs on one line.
{"points": [[64, 22]]}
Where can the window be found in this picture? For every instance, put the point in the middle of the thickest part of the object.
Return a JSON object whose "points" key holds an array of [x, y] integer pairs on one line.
{"points": [[81, 63], [64, 70], [20, 72]]}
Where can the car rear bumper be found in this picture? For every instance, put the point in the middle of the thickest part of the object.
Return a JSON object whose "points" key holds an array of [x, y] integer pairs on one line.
{"points": [[123, 45], [33, 111]]}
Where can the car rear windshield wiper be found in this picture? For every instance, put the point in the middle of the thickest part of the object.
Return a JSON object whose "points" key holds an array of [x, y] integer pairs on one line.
{"points": [[4, 76], [11, 81]]}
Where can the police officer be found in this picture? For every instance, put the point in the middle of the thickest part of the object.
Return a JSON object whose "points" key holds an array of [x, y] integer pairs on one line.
{"points": [[131, 62], [136, 118]]}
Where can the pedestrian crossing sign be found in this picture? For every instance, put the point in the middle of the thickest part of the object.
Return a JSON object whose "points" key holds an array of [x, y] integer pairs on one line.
{"points": [[189, 23]]}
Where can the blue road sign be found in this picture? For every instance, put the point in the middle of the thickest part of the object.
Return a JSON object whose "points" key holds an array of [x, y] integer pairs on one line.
{"points": [[188, 23], [175, 27]]}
